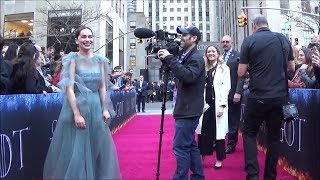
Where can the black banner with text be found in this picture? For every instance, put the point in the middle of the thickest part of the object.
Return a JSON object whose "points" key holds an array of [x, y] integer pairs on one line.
{"points": [[300, 139], [27, 123]]}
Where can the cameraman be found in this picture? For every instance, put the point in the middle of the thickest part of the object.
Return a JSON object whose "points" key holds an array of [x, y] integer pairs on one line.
{"points": [[190, 74]]}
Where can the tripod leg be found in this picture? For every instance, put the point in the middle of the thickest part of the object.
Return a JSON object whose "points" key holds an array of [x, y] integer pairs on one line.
{"points": [[163, 108]]}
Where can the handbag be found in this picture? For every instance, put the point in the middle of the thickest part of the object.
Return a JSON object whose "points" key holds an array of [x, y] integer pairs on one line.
{"points": [[289, 111]]}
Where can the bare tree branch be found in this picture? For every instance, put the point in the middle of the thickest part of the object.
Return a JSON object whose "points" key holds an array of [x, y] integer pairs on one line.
{"points": [[64, 18]]}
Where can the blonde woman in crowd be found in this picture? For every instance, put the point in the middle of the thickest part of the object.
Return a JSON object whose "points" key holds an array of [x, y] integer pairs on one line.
{"points": [[215, 119]]}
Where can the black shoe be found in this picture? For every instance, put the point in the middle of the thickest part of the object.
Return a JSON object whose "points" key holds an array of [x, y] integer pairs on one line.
{"points": [[138, 110], [230, 150], [143, 111]]}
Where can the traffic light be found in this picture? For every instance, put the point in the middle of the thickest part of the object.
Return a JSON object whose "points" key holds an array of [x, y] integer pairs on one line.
{"points": [[139, 40], [242, 20]]}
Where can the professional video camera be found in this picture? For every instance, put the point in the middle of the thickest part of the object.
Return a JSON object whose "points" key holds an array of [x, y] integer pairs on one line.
{"points": [[159, 40]]}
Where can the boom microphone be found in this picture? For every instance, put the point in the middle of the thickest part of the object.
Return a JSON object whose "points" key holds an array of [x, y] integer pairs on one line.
{"points": [[143, 33]]}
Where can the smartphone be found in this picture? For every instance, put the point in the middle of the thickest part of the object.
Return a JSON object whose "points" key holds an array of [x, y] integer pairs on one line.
{"points": [[122, 87]]}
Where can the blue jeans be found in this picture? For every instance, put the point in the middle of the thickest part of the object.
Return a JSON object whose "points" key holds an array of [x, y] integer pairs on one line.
{"points": [[186, 150]]}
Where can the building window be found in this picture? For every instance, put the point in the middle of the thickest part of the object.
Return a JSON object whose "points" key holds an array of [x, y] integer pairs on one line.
{"points": [[179, 18], [179, 10], [164, 9], [164, 1], [164, 18], [165, 28], [305, 6], [132, 61], [121, 48], [109, 34], [157, 26], [132, 24], [208, 36], [157, 18], [171, 1], [185, 9], [171, 27], [208, 27], [132, 43], [61, 25], [200, 27], [186, 19], [178, 1], [200, 18], [14, 27], [307, 37], [193, 18], [171, 18], [171, 9]]}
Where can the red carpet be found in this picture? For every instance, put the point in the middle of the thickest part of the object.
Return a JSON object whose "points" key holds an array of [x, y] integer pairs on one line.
{"points": [[137, 146]]}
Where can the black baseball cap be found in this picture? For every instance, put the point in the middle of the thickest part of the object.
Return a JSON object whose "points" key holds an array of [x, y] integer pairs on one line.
{"points": [[190, 30]]}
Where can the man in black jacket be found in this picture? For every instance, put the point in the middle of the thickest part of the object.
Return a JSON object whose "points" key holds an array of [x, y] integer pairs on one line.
{"points": [[231, 57], [268, 55], [189, 70]]}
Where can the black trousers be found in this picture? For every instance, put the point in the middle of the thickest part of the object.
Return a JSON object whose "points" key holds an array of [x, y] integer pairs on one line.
{"points": [[208, 136], [141, 100], [220, 149], [234, 112], [257, 111]]}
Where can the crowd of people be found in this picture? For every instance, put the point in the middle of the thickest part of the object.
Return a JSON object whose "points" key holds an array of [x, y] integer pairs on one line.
{"points": [[27, 68]]}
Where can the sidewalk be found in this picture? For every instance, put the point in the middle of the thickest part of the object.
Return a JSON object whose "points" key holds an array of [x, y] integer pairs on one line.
{"points": [[155, 108]]}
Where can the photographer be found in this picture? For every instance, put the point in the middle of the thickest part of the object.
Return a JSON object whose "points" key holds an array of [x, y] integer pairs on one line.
{"points": [[189, 70]]}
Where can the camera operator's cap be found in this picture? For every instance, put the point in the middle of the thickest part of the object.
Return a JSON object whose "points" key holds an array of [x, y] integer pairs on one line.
{"points": [[190, 30]]}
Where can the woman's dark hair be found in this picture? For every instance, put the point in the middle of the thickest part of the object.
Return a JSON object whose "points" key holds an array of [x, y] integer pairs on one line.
{"points": [[11, 52], [1, 43], [77, 33], [308, 56], [23, 66]]}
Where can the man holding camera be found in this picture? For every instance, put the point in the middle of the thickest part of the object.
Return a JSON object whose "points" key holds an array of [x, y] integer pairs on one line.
{"points": [[266, 54], [189, 70]]}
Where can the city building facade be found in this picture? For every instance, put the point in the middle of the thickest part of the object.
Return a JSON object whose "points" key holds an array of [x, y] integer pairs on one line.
{"points": [[296, 26], [137, 52], [41, 21]]}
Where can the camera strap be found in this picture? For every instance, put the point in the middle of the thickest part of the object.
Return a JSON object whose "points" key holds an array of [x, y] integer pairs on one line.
{"points": [[284, 66]]}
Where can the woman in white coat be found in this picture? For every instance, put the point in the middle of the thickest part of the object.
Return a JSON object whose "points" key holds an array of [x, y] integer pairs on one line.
{"points": [[215, 119]]}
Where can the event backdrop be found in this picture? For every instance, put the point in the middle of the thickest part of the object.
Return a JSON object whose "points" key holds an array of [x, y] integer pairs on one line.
{"points": [[300, 139], [27, 123]]}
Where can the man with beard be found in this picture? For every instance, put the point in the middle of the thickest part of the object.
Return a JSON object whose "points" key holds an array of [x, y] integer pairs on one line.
{"points": [[189, 71], [231, 57]]}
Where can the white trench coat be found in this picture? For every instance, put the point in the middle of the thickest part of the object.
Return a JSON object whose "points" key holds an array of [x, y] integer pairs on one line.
{"points": [[222, 86]]}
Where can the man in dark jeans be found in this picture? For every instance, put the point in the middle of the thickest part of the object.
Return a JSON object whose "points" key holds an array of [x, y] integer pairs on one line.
{"points": [[263, 54], [189, 72]]}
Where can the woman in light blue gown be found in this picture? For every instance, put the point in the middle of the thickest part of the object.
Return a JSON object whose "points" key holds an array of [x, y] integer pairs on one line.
{"points": [[82, 146]]}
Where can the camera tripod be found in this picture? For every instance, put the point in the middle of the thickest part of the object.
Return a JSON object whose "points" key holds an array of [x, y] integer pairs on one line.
{"points": [[165, 78]]}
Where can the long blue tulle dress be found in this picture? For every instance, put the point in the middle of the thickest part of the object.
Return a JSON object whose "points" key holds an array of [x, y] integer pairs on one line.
{"points": [[82, 153]]}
